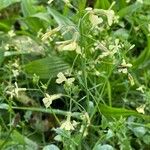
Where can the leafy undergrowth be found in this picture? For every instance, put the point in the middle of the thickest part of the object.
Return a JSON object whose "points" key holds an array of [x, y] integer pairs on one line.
{"points": [[75, 75]]}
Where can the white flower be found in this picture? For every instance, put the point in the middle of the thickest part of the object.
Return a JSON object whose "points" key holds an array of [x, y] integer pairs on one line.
{"points": [[141, 88], [11, 33], [116, 46], [67, 125], [95, 20], [131, 79], [48, 99], [60, 78], [14, 90], [110, 16], [7, 47], [128, 1], [124, 67], [69, 45], [69, 81], [86, 118], [140, 109], [82, 129], [17, 90], [50, 1], [49, 33], [15, 72]]}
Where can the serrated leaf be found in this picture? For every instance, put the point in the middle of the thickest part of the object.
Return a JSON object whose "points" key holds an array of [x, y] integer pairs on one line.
{"points": [[46, 67]]}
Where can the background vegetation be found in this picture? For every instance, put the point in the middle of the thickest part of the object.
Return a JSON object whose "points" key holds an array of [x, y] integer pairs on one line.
{"points": [[74, 74]]}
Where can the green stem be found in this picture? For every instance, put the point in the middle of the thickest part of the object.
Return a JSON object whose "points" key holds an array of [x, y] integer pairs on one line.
{"points": [[50, 111]]}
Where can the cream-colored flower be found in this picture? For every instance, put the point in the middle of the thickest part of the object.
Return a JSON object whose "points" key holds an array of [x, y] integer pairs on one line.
{"points": [[60, 78], [85, 117], [82, 129], [6, 47], [11, 33], [13, 91], [67, 125], [69, 81], [110, 16], [48, 99], [17, 90], [131, 79], [141, 88], [140, 109], [124, 67], [68, 45], [49, 33], [95, 20], [116, 46], [50, 1], [15, 72], [78, 50], [128, 1]]}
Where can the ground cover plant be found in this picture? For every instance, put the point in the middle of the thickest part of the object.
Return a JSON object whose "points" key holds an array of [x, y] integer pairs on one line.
{"points": [[75, 75]]}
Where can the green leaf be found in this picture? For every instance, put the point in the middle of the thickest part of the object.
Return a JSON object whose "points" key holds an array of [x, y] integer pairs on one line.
{"points": [[129, 10], [105, 4], [46, 67], [6, 3], [4, 106], [1, 56], [42, 16], [51, 147], [139, 131], [23, 142], [16, 136], [27, 7], [103, 147], [112, 112], [60, 19], [30, 13], [63, 22]]}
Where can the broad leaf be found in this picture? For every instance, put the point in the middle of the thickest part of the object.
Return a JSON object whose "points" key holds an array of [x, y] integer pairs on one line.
{"points": [[63, 21], [46, 67], [113, 112]]}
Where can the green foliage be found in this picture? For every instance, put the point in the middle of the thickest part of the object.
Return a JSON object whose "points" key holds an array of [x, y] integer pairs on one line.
{"points": [[6, 3], [47, 67], [74, 74]]}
